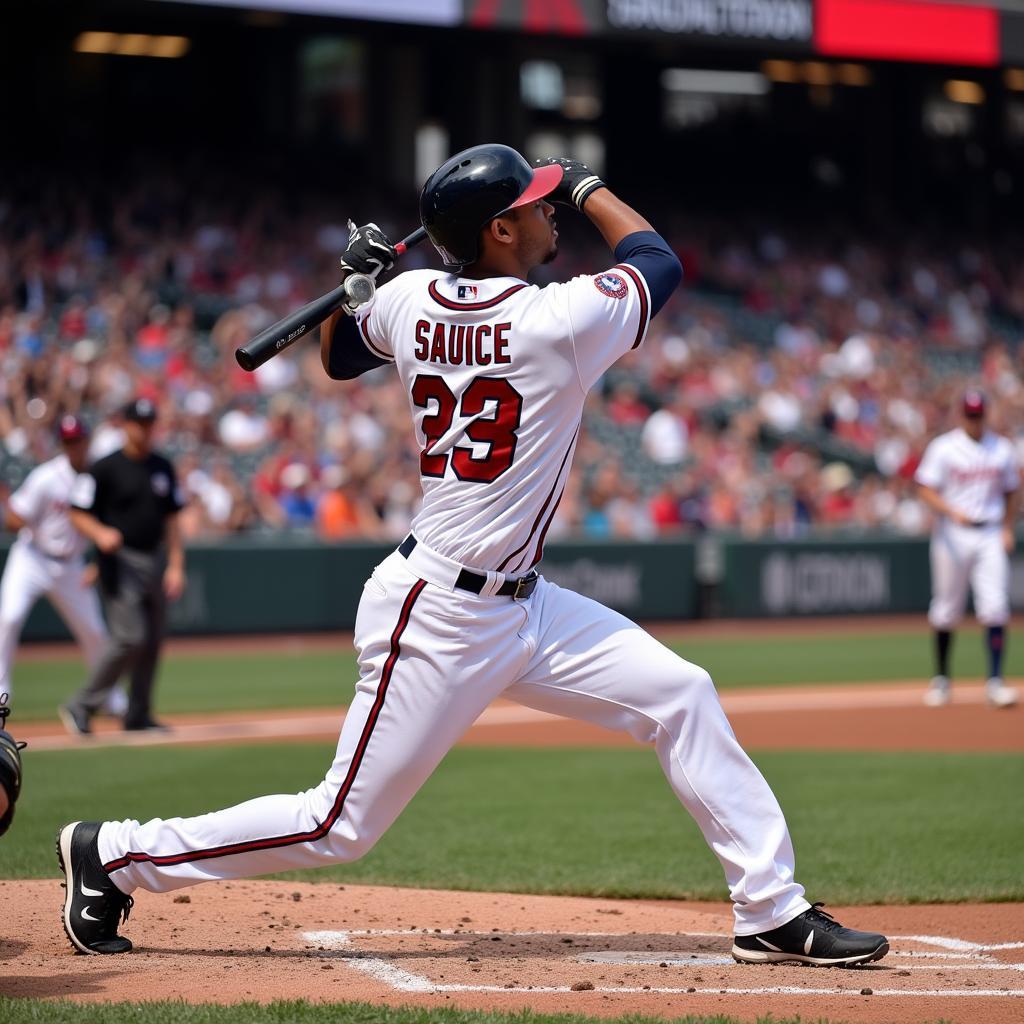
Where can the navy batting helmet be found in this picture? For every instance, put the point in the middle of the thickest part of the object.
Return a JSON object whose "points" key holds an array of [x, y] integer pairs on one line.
{"points": [[472, 188]]}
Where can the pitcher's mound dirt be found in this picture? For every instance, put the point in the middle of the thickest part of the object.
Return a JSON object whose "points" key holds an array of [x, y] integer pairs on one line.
{"points": [[268, 940]]}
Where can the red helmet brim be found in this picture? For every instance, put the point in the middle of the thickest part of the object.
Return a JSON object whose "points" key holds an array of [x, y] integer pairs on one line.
{"points": [[545, 180]]}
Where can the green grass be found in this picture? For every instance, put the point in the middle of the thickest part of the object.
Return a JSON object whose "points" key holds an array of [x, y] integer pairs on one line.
{"points": [[821, 657], [867, 827], [210, 682], [24, 1011], [217, 682]]}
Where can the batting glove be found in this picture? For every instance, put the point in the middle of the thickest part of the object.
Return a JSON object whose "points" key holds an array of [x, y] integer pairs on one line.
{"points": [[369, 250], [578, 182]]}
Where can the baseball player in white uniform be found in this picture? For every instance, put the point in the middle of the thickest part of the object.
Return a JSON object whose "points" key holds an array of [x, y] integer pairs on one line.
{"points": [[970, 479], [496, 371], [46, 559]]}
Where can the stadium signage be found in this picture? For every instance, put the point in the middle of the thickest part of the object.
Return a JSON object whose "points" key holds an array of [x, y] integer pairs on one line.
{"points": [[816, 582], [777, 20], [617, 584]]}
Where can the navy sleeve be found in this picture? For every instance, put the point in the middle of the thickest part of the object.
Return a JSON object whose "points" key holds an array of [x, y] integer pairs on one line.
{"points": [[348, 356], [652, 256]]}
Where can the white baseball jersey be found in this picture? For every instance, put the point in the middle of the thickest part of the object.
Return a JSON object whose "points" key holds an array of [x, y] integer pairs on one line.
{"points": [[43, 501], [497, 372], [972, 476]]}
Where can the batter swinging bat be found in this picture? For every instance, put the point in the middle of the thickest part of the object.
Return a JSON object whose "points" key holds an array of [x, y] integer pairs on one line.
{"points": [[356, 290]]}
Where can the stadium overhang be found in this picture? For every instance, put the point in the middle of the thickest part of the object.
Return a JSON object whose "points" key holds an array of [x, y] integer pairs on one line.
{"points": [[926, 31]]}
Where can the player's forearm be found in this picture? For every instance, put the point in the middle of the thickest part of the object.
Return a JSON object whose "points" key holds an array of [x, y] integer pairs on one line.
{"points": [[936, 502], [12, 521], [172, 540], [613, 218], [1012, 509], [326, 337], [87, 525]]}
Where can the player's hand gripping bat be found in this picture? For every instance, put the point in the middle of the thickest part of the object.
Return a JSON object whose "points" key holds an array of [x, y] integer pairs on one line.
{"points": [[355, 290]]}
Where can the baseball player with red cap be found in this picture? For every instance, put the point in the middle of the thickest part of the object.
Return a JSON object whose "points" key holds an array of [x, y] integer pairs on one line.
{"points": [[47, 558], [970, 479], [497, 373]]}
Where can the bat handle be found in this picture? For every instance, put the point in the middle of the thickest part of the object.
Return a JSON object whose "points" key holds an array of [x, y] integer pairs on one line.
{"points": [[410, 240]]}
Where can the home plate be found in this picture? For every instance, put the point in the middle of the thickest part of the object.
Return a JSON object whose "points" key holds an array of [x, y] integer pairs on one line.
{"points": [[647, 956]]}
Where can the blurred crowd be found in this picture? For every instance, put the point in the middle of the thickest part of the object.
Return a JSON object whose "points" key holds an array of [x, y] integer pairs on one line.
{"points": [[790, 385]]}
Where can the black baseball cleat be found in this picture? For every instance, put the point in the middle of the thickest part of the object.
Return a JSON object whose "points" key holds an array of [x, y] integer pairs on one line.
{"points": [[145, 725], [76, 720], [812, 938], [93, 905]]}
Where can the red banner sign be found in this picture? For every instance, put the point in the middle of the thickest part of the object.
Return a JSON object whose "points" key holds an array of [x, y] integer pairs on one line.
{"points": [[913, 30]]}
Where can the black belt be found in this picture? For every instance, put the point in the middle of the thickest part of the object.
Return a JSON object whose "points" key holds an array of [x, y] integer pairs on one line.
{"points": [[979, 524], [475, 582]]}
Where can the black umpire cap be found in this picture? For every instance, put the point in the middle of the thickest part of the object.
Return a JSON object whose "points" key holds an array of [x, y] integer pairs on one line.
{"points": [[140, 410]]}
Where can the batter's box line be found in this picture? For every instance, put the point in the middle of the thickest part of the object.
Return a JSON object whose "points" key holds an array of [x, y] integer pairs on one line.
{"points": [[407, 982], [962, 945], [956, 949]]}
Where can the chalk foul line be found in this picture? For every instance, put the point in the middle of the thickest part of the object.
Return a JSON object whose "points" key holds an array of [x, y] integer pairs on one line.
{"points": [[400, 980]]}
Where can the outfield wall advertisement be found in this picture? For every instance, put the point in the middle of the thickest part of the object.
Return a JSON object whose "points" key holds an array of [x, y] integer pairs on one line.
{"points": [[250, 586], [823, 578], [291, 586]]}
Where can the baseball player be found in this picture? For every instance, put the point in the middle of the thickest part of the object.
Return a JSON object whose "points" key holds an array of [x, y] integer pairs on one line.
{"points": [[970, 478], [496, 371], [46, 559]]}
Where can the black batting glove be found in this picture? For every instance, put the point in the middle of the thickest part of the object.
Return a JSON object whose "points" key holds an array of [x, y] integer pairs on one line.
{"points": [[10, 766], [369, 250], [578, 182]]}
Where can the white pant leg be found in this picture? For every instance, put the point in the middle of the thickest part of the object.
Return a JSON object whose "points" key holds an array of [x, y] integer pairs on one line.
{"points": [[430, 661], [990, 579], [79, 606], [25, 579], [951, 557], [593, 664]]}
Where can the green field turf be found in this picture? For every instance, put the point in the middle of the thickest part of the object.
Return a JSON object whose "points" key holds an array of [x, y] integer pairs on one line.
{"points": [[220, 682], [24, 1011], [868, 827]]}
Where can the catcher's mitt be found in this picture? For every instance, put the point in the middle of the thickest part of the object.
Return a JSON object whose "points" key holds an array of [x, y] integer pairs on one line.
{"points": [[10, 766]]}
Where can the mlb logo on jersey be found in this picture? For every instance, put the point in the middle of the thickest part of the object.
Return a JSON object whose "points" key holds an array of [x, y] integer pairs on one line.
{"points": [[611, 285], [467, 291]]}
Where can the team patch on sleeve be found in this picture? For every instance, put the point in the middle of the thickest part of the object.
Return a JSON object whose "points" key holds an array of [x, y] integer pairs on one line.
{"points": [[611, 284]]}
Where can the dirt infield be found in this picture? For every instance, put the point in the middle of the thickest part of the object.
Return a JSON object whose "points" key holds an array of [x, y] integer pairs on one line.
{"points": [[267, 940]]}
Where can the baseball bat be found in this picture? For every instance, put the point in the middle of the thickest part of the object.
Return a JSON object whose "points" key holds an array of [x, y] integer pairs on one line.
{"points": [[356, 288]]}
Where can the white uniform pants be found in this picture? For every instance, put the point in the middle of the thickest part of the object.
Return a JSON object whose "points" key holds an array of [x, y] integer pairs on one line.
{"points": [[29, 575], [431, 660], [962, 556]]}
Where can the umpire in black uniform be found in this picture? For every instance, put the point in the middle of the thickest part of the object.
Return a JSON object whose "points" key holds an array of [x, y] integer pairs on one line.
{"points": [[127, 504]]}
